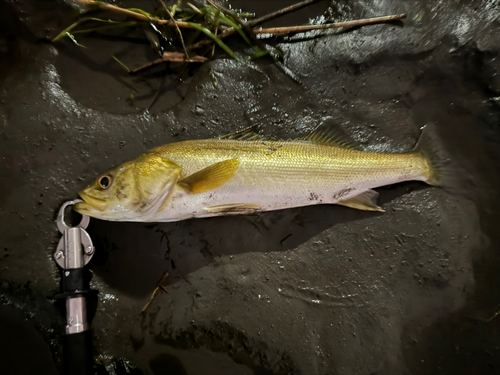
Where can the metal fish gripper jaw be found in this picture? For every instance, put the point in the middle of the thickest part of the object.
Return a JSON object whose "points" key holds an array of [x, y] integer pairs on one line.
{"points": [[75, 248]]}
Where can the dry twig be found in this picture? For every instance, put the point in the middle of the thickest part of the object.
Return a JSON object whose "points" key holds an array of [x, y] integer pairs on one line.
{"points": [[216, 27], [138, 16], [160, 285], [354, 23], [194, 8], [170, 57], [213, 46], [305, 28], [278, 13], [179, 57], [157, 289]]}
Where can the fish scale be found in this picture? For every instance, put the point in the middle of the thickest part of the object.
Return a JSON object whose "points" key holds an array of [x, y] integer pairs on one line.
{"points": [[286, 177], [299, 159]]}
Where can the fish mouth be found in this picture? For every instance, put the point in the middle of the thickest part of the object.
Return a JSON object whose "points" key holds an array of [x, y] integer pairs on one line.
{"points": [[85, 209], [90, 205]]}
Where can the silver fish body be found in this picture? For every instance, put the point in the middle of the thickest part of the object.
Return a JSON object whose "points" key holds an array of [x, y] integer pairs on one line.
{"points": [[225, 176]]}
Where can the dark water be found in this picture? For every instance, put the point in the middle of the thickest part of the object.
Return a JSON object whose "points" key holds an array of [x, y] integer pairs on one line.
{"points": [[316, 290]]}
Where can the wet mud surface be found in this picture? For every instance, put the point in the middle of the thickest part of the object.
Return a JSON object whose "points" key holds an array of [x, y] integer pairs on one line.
{"points": [[314, 290]]}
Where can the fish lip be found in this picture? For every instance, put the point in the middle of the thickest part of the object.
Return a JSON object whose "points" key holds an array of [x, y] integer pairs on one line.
{"points": [[83, 208], [90, 202]]}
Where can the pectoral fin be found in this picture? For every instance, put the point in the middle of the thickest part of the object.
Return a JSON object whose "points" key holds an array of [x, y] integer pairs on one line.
{"points": [[366, 201], [237, 207], [211, 177]]}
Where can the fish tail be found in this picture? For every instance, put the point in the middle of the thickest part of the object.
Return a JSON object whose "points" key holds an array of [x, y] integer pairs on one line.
{"points": [[441, 169]]}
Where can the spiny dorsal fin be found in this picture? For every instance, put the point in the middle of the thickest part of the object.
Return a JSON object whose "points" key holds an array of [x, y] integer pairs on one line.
{"points": [[366, 201], [248, 134], [211, 177], [329, 133]]}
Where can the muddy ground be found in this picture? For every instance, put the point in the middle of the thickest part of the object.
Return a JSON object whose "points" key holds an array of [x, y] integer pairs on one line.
{"points": [[315, 290]]}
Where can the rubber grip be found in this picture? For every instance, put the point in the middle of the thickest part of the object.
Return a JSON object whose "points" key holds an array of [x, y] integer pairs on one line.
{"points": [[77, 354], [74, 279]]}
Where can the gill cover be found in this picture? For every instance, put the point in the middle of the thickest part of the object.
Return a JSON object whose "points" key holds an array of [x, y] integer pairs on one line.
{"points": [[154, 177]]}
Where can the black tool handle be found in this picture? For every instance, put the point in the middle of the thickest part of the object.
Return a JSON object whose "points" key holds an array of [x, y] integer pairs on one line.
{"points": [[77, 354]]}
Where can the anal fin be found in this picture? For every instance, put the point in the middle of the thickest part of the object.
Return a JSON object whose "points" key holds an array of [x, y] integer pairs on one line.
{"points": [[233, 208], [366, 201]]}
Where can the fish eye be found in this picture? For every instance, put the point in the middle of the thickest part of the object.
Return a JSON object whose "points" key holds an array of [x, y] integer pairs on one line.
{"points": [[105, 181]]}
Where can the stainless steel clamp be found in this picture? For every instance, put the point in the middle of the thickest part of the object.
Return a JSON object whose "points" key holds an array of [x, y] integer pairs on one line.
{"points": [[75, 248]]}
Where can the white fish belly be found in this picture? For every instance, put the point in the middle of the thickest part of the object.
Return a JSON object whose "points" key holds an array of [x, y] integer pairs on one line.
{"points": [[286, 194]]}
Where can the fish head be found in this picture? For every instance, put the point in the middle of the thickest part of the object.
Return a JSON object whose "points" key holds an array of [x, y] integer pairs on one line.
{"points": [[134, 191]]}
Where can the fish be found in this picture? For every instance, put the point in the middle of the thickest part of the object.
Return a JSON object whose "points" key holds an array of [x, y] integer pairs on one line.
{"points": [[245, 173]]}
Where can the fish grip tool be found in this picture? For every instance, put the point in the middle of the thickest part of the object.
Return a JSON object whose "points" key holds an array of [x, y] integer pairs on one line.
{"points": [[74, 251]]}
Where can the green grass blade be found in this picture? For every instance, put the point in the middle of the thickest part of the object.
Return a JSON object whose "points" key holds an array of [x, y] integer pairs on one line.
{"points": [[74, 40], [121, 24], [122, 64], [66, 31], [173, 10], [237, 27], [260, 54], [140, 11], [63, 33], [211, 16], [185, 17], [231, 23], [214, 37], [228, 21], [246, 14]]}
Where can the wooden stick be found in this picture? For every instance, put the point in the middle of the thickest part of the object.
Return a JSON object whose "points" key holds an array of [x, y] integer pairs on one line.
{"points": [[172, 57], [278, 13], [213, 46], [159, 286], [179, 57], [139, 16], [195, 8], [216, 27], [305, 28], [157, 289]]}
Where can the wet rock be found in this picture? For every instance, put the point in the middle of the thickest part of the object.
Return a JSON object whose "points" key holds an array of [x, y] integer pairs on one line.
{"points": [[316, 290]]}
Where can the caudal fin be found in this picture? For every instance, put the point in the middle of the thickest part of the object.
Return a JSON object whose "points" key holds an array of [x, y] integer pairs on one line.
{"points": [[443, 171]]}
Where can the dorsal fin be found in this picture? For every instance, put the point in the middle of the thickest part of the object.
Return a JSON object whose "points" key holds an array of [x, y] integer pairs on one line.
{"points": [[330, 134], [248, 134]]}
